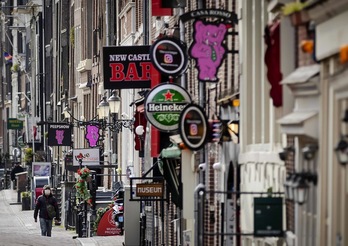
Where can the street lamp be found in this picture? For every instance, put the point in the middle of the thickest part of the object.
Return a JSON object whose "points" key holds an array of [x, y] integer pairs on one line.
{"points": [[67, 112], [342, 151], [114, 102], [103, 109], [301, 190], [296, 185], [288, 187], [342, 146]]}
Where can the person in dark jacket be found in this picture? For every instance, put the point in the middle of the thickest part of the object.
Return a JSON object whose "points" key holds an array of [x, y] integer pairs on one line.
{"points": [[16, 169], [41, 208]]}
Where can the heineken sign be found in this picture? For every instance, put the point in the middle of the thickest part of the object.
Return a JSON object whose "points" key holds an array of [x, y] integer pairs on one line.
{"points": [[164, 104]]}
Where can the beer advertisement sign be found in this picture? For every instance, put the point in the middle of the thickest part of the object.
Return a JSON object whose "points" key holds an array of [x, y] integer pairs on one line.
{"points": [[164, 104]]}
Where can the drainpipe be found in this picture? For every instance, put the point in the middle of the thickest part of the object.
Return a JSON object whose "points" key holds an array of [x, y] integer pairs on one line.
{"points": [[199, 195]]}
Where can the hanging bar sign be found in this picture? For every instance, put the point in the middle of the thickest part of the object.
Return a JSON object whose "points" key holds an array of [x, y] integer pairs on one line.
{"points": [[127, 67]]}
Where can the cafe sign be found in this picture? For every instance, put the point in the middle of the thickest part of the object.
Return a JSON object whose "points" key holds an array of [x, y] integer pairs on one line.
{"points": [[164, 104], [149, 189]]}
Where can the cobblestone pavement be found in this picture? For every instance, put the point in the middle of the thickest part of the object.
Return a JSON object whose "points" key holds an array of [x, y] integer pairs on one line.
{"points": [[18, 228]]}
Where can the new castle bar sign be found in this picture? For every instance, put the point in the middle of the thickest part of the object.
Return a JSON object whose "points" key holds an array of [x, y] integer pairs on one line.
{"points": [[127, 67], [149, 190]]}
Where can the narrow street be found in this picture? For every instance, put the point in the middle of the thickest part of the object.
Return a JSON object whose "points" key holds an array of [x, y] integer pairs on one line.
{"points": [[17, 227]]}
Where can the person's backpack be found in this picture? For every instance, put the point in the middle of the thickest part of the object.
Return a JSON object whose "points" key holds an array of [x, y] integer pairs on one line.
{"points": [[51, 211]]}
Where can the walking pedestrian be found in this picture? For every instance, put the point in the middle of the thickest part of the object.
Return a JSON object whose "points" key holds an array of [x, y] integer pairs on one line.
{"points": [[16, 169], [48, 207]]}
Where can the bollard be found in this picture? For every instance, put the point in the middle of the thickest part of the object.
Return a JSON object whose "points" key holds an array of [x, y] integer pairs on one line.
{"points": [[79, 226]]}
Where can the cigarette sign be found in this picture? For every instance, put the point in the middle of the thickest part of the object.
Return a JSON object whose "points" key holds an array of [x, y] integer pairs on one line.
{"points": [[149, 190]]}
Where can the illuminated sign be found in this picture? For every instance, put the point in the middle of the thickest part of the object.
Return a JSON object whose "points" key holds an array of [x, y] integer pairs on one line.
{"points": [[164, 104], [193, 127], [169, 56], [127, 67]]}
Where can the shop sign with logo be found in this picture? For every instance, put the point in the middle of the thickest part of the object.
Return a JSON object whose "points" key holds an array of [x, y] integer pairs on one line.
{"points": [[92, 135], [169, 56], [107, 226], [90, 157], [164, 104], [208, 48], [127, 67], [59, 134], [193, 127]]}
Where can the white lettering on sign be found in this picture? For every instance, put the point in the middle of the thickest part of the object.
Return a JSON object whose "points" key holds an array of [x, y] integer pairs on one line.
{"points": [[155, 107], [130, 57], [59, 126], [149, 190]]}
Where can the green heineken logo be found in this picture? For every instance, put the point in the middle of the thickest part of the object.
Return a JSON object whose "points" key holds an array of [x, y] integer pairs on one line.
{"points": [[164, 104]]}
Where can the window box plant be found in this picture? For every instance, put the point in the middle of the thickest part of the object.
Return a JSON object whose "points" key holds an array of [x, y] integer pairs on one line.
{"points": [[297, 13]]}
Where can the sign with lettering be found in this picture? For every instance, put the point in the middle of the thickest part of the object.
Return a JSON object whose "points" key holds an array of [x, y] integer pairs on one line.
{"points": [[149, 189], [164, 104], [88, 156], [107, 226], [59, 134], [169, 56], [193, 127], [127, 67], [14, 124], [206, 13]]}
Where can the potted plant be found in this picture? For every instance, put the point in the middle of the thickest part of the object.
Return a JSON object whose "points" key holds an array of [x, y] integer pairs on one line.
{"points": [[296, 12], [15, 67], [25, 195], [28, 155]]}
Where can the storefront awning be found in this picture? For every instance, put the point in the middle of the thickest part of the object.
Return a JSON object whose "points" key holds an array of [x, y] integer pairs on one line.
{"points": [[301, 75], [304, 80], [172, 151], [171, 164], [300, 123]]}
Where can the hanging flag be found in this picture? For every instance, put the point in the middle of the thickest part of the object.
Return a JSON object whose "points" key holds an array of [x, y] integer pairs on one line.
{"points": [[7, 57]]}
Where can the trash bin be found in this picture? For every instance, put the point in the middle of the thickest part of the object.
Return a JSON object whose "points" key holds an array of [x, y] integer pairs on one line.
{"points": [[25, 200]]}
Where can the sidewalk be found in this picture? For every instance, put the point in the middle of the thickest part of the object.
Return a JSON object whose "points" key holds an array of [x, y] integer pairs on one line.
{"points": [[65, 237]]}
